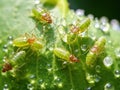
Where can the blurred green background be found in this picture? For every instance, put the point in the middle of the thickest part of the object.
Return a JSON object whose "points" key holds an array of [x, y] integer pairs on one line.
{"points": [[108, 8]]}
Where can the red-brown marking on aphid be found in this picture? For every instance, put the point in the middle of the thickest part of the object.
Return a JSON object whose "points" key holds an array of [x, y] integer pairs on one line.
{"points": [[95, 49], [31, 40], [74, 29], [47, 17], [6, 67], [73, 58]]}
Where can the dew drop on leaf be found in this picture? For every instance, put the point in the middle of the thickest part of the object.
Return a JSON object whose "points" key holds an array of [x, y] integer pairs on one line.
{"points": [[108, 61], [98, 68], [117, 73], [30, 87], [5, 87], [88, 88], [115, 25], [97, 23], [108, 86], [84, 47], [5, 48], [80, 12], [10, 40]]}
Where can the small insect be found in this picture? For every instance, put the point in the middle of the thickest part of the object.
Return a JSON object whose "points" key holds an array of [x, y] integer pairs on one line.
{"points": [[96, 50], [80, 27], [17, 57], [65, 55], [28, 41], [6, 67], [42, 15], [21, 42]]}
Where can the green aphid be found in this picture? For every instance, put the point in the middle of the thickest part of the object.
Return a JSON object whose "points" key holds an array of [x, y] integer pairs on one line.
{"points": [[37, 45], [17, 57], [96, 50], [80, 27], [62, 53], [42, 15], [20, 42]]}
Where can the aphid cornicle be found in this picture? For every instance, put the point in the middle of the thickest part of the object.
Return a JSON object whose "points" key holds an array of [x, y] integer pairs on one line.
{"points": [[65, 55], [80, 27], [97, 49], [42, 15]]}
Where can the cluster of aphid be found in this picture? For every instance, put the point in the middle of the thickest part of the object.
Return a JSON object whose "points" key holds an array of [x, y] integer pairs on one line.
{"points": [[34, 43]]}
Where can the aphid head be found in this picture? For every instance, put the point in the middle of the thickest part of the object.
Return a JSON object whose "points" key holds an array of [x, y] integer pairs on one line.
{"points": [[74, 29], [73, 58], [46, 17], [31, 40], [6, 67]]}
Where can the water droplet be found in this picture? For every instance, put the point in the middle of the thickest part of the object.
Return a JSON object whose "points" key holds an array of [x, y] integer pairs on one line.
{"points": [[98, 68], [5, 48], [10, 40], [10, 37], [115, 25], [108, 61], [5, 87], [40, 81], [105, 27], [97, 78], [91, 16], [97, 23], [84, 47], [30, 87], [117, 73], [32, 76], [117, 52], [103, 19], [80, 12], [108, 86], [89, 88]]}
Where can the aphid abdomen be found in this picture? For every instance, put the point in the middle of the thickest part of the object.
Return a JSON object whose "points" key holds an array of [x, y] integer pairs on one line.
{"points": [[20, 42], [61, 53], [84, 25], [17, 57], [95, 51], [36, 45], [90, 59]]}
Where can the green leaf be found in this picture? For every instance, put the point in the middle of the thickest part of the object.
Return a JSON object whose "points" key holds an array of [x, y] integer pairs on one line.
{"points": [[35, 66]]}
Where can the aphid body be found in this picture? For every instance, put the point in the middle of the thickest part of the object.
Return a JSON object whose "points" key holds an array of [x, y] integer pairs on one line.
{"points": [[17, 57], [80, 27], [28, 41], [42, 15], [96, 50], [65, 55], [20, 42]]}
